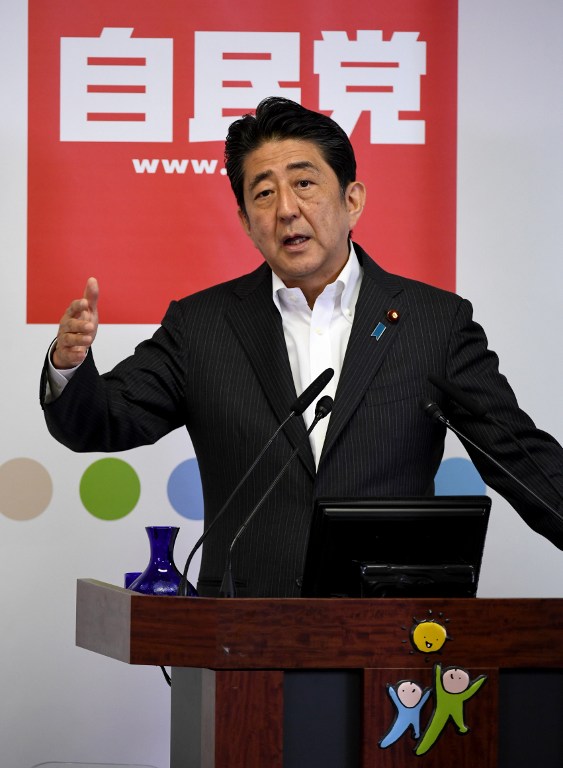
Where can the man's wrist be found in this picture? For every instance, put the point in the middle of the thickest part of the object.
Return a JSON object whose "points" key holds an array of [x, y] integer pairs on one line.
{"points": [[57, 378]]}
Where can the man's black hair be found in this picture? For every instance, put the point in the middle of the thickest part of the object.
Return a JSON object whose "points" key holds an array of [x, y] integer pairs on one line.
{"points": [[277, 119]]}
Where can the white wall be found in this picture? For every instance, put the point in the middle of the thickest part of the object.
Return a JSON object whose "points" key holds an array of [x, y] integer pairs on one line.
{"points": [[510, 237], [60, 702]]}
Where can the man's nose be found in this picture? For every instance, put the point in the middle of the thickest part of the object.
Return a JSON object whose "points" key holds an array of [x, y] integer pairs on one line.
{"points": [[288, 204]]}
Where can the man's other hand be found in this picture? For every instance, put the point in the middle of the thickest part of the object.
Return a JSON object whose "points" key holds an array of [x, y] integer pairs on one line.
{"points": [[77, 329]]}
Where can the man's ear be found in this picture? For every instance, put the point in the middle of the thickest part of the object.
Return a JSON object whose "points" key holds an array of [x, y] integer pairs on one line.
{"points": [[243, 218], [355, 201]]}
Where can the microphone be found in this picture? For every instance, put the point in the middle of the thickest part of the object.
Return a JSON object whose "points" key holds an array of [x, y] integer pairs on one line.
{"points": [[297, 408], [313, 391], [460, 397], [434, 412], [322, 409]]}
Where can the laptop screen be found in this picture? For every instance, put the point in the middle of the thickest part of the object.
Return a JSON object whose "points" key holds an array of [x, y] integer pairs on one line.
{"points": [[396, 547]]}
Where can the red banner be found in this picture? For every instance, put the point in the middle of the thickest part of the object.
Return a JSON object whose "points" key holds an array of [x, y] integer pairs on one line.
{"points": [[129, 104]]}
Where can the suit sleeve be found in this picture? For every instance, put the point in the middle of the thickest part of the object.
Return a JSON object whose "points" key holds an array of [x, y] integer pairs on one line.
{"points": [[529, 453], [139, 401]]}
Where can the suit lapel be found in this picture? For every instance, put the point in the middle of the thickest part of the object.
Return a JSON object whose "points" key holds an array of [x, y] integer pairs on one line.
{"points": [[380, 292], [258, 327], [257, 324]]}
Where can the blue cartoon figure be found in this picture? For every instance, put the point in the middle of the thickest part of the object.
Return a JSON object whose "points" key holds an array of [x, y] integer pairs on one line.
{"points": [[452, 689], [408, 698]]}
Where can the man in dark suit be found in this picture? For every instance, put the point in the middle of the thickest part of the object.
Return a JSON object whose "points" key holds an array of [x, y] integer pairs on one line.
{"points": [[228, 362]]}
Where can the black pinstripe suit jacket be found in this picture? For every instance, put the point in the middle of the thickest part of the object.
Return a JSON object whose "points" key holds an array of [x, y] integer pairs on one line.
{"points": [[218, 365]]}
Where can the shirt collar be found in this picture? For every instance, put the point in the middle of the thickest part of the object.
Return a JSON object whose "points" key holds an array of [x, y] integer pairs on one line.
{"points": [[348, 281]]}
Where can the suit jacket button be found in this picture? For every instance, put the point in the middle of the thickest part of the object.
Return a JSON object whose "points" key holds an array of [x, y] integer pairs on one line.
{"points": [[299, 582]]}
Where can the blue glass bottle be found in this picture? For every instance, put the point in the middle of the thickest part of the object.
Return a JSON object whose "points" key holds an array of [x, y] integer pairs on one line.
{"points": [[160, 577]]}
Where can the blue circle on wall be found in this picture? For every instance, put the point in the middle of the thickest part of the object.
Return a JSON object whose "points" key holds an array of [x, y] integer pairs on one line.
{"points": [[458, 477], [184, 490]]}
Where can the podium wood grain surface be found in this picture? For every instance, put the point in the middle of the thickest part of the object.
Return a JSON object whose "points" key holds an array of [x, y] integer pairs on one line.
{"points": [[245, 646]]}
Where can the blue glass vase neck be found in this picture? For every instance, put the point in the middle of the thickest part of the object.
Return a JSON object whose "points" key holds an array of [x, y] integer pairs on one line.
{"points": [[162, 542]]}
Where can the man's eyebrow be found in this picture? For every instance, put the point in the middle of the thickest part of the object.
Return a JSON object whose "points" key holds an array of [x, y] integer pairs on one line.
{"points": [[302, 164], [258, 178], [297, 166]]}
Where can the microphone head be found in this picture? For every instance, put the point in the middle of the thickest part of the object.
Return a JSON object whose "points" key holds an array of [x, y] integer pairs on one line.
{"points": [[458, 396], [323, 407], [313, 390], [431, 409]]}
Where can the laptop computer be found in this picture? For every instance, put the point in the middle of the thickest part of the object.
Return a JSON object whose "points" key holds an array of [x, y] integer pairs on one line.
{"points": [[396, 547]]}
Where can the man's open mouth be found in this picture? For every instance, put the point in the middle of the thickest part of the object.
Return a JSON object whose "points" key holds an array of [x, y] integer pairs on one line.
{"points": [[295, 240]]}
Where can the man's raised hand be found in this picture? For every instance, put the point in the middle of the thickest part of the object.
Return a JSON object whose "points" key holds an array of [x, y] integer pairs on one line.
{"points": [[77, 329]]}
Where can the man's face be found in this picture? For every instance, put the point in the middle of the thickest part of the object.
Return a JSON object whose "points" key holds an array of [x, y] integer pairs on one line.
{"points": [[297, 215]]}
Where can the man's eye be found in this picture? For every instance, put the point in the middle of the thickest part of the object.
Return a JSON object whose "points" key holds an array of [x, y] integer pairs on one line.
{"points": [[264, 193], [303, 183]]}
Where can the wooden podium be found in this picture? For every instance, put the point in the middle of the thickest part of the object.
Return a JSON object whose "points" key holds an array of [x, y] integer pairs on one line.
{"points": [[233, 662]]}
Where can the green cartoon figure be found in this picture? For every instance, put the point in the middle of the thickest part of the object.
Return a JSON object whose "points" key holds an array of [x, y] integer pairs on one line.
{"points": [[452, 689]]}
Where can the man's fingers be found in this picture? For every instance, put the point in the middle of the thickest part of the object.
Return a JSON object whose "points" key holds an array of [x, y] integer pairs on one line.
{"points": [[77, 324], [88, 304], [77, 308], [73, 340]]}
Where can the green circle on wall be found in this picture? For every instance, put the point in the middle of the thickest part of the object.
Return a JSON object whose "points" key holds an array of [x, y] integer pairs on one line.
{"points": [[110, 489]]}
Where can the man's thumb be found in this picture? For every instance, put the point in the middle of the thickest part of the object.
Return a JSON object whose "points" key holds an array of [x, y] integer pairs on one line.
{"points": [[91, 293]]}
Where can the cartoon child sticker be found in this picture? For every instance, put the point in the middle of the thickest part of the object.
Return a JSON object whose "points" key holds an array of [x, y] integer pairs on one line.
{"points": [[408, 698], [452, 689]]}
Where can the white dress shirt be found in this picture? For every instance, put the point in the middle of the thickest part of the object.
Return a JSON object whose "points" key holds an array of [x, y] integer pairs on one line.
{"points": [[317, 338]]}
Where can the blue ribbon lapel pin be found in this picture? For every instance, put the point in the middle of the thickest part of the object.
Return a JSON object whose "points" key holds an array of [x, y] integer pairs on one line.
{"points": [[378, 331]]}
